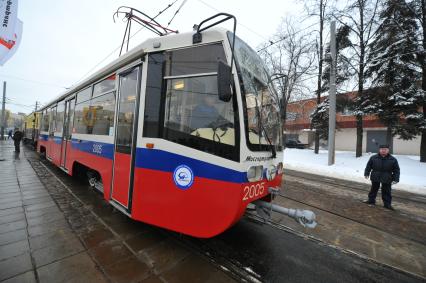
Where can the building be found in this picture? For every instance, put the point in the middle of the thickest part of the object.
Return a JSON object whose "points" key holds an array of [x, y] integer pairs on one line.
{"points": [[298, 124]]}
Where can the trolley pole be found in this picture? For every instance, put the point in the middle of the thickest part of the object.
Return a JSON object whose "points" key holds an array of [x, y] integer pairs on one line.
{"points": [[332, 96], [3, 112]]}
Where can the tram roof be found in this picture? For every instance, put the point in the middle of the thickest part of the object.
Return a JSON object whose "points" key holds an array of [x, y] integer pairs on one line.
{"points": [[171, 41]]}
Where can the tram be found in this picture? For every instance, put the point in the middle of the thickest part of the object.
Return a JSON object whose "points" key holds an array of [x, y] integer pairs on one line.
{"points": [[174, 133], [31, 128]]}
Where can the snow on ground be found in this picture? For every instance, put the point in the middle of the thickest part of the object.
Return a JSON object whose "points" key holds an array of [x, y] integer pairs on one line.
{"points": [[347, 166]]}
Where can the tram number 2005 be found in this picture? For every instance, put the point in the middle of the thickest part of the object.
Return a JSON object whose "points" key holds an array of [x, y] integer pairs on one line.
{"points": [[97, 148], [255, 190]]}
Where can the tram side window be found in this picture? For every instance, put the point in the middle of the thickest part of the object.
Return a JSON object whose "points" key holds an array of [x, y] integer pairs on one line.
{"points": [[104, 86], [83, 122], [102, 110], [84, 95], [45, 122], [197, 60], [125, 119], [52, 116], [151, 127], [60, 116]]}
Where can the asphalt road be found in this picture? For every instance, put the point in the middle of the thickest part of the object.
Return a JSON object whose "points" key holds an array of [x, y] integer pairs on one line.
{"points": [[272, 255]]}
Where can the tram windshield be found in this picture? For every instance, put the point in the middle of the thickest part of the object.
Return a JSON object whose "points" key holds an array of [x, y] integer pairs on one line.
{"points": [[261, 100]]}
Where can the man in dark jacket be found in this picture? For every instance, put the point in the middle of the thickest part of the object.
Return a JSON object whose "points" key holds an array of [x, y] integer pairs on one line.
{"points": [[17, 137], [382, 168]]}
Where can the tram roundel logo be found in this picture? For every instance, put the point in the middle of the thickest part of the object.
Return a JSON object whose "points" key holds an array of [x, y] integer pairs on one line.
{"points": [[183, 177]]}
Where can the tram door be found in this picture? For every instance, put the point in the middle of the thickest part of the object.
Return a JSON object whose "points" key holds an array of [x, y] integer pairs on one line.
{"points": [[125, 136], [66, 133]]}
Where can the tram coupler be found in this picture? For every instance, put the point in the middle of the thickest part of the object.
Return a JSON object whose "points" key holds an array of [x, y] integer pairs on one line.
{"points": [[274, 191], [306, 218]]}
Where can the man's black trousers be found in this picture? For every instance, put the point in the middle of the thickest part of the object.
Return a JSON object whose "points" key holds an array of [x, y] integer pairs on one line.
{"points": [[386, 193], [17, 145]]}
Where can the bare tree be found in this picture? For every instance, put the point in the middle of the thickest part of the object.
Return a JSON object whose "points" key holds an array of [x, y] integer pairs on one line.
{"points": [[360, 16], [292, 55], [318, 8]]}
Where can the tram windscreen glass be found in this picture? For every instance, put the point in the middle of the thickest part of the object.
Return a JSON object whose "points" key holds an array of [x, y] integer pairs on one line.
{"points": [[261, 100]]}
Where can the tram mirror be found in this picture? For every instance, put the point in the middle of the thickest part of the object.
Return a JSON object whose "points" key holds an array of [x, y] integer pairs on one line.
{"points": [[224, 81]]}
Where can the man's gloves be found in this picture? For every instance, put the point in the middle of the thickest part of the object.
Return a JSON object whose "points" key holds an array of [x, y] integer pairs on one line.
{"points": [[394, 182]]}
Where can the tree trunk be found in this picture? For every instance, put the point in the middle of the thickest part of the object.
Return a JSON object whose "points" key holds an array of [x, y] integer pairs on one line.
{"points": [[320, 58], [389, 139], [284, 118], [423, 64], [359, 136], [359, 126], [423, 137]]}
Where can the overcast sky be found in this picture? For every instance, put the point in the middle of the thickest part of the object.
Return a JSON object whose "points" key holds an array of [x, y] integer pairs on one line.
{"points": [[64, 40]]}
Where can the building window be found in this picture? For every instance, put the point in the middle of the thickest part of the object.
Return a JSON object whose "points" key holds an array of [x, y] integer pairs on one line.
{"points": [[347, 111], [291, 116]]}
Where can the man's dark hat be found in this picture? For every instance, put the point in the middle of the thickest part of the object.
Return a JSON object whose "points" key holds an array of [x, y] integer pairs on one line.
{"points": [[384, 146]]}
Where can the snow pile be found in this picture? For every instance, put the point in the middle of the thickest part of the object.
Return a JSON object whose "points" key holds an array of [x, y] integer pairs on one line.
{"points": [[347, 166]]}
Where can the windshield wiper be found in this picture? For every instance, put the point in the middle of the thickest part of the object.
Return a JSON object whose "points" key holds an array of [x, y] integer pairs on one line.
{"points": [[273, 151], [262, 129]]}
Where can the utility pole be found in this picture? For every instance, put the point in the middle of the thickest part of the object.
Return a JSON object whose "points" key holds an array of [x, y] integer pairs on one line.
{"points": [[3, 111], [332, 96], [36, 106]]}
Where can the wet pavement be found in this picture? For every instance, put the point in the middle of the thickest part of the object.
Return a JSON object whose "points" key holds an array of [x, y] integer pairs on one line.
{"points": [[51, 234], [62, 230]]}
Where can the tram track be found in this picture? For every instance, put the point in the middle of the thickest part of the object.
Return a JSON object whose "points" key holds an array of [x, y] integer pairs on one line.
{"points": [[350, 219], [397, 195], [407, 223]]}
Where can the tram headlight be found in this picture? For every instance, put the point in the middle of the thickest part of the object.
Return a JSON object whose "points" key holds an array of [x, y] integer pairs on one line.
{"points": [[254, 173], [271, 172], [280, 168]]}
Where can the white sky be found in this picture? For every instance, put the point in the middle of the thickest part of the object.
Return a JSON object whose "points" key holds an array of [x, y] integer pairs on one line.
{"points": [[63, 40]]}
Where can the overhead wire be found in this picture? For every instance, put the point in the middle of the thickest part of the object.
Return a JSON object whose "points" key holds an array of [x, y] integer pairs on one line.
{"points": [[118, 47], [32, 81], [177, 11], [244, 26], [162, 11], [271, 43]]}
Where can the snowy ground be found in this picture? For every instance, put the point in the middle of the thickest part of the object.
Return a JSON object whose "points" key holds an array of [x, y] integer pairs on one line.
{"points": [[347, 166]]}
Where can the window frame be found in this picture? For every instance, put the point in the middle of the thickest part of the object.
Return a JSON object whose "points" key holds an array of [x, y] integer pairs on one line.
{"points": [[229, 152]]}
